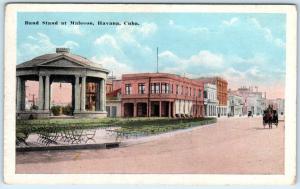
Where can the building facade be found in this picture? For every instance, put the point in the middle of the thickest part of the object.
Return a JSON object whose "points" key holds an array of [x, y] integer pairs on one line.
{"points": [[222, 95], [277, 104], [112, 84], [210, 100], [235, 105], [253, 100], [161, 95], [114, 103]]}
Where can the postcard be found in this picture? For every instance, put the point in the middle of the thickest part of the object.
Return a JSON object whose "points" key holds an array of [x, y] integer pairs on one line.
{"points": [[182, 94]]}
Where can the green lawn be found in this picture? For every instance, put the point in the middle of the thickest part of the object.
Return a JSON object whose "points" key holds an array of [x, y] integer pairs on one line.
{"points": [[143, 126]]}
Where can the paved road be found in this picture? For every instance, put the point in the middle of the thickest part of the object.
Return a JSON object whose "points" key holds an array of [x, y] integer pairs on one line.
{"points": [[231, 146]]}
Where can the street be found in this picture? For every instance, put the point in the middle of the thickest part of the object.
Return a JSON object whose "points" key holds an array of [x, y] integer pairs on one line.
{"points": [[231, 146]]}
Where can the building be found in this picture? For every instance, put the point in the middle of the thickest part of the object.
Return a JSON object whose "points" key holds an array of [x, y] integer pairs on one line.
{"points": [[161, 95], [112, 84], [277, 104], [62, 66], [210, 100], [253, 100], [235, 104], [113, 103], [222, 96]]}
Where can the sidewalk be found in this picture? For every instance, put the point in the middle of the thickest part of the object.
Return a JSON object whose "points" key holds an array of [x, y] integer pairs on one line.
{"points": [[81, 139]]}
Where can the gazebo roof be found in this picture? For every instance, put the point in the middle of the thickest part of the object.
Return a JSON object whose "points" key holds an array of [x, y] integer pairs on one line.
{"points": [[61, 53]]}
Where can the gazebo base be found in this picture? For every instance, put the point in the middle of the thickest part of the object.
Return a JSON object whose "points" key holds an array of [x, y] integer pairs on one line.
{"points": [[90, 114], [42, 114], [33, 114]]}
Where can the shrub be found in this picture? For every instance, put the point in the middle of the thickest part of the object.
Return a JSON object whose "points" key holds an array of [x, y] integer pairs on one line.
{"points": [[67, 110], [55, 110], [34, 107]]}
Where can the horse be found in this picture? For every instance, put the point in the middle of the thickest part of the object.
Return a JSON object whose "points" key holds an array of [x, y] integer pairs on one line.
{"points": [[268, 118], [275, 118]]}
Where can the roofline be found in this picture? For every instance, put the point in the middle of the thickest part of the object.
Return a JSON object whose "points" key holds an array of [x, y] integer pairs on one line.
{"points": [[167, 75], [86, 66]]}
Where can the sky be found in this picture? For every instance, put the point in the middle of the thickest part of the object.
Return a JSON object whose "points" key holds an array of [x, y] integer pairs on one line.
{"points": [[245, 49]]}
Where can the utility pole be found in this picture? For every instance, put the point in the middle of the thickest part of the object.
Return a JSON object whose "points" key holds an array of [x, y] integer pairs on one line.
{"points": [[157, 60]]}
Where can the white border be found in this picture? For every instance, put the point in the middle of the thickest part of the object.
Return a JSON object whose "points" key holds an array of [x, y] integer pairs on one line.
{"points": [[169, 179]]}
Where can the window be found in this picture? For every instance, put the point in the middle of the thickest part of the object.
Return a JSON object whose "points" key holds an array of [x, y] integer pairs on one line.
{"points": [[205, 94], [127, 89], [186, 91], [165, 88], [182, 90], [152, 87], [155, 88], [199, 93], [190, 91], [177, 89], [141, 88]]}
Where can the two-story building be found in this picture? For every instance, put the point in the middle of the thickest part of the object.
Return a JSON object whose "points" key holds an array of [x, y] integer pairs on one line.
{"points": [[210, 100], [235, 104], [222, 95], [161, 95]]}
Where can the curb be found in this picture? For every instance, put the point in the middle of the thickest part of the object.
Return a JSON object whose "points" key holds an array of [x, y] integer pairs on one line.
{"points": [[70, 147]]}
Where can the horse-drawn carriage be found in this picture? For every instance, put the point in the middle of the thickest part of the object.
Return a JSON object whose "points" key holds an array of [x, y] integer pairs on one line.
{"points": [[270, 117]]}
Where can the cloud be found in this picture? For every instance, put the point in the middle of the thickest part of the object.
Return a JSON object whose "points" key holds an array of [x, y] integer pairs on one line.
{"points": [[144, 30], [71, 44], [124, 43], [192, 30], [256, 59], [251, 76], [237, 70], [147, 29], [230, 22], [170, 56], [172, 23], [268, 35], [70, 29], [40, 44], [206, 58], [107, 39], [114, 65], [203, 58]]}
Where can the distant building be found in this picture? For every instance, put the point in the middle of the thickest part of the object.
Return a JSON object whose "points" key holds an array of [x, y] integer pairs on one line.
{"points": [[113, 103], [277, 104], [210, 100], [253, 100], [235, 104], [161, 95], [222, 96], [112, 84]]}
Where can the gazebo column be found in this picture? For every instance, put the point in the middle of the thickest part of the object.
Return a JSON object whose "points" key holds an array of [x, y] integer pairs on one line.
{"points": [[19, 93], [77, 94], [41, 92], [83, 88], [23, 94], [97, 108], [47, 92], [102, 95]]}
